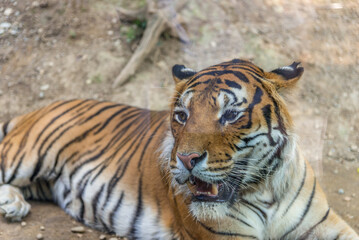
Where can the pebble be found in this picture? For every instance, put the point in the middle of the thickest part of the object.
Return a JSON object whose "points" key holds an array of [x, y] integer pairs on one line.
{"points": [[8, 11], [5, 25], [113, 238], [350, 157], [336, 6], [331, 152], [44, 87], [42, 228], [354, 148], [102, 237], [41, 95], [110, 33], [23, 224], [341, 191], [79, 235], [35, 4], [347, 199], [1, 92], [13, 31], [78, 229], [39, 236]]}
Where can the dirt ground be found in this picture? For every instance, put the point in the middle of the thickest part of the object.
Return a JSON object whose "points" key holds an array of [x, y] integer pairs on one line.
{"points": [[50, 50]]}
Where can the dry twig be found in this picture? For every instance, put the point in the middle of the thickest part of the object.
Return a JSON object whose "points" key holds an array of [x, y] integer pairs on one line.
{"points": [[164, 15]]}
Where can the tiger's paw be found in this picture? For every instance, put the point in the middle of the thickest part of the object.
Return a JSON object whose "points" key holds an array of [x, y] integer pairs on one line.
{"points": [[12, 203]]}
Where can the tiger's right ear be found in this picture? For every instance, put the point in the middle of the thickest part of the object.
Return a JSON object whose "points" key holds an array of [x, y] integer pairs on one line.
{"points": [[180, 72]]}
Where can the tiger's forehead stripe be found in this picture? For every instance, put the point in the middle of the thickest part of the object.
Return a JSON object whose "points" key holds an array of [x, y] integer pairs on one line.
{"points": [[217, 73]]}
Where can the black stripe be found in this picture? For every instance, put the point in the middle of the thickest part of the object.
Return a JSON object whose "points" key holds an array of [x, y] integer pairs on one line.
{"points": [[99, 112], [4, 128], [217, 73], [149, 141], [108, 120], [138, 213], [113, 212], [13, 176], [41, 158], [306, 234], [309, 203], [298, 191], [262, 213], [238, 219], [117, 176], [55, 118], [267, 114], [95, 202], [230, 93], [231, 234], [110, 145], [81, 198], [233, 84]]}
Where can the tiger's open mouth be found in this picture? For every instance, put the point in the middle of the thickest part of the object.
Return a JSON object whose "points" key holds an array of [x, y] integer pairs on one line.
{"points": [[208, 192]]}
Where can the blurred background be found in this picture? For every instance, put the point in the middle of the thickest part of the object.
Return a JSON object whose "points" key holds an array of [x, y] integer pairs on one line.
{"points": [[51, 50]]}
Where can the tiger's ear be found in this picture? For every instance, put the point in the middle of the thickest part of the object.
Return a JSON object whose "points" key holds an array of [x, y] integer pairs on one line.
{"points": [[180, 72], [285, 77]]}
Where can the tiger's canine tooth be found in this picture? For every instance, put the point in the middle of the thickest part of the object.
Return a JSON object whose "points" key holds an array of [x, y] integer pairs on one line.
{"points": [[215, 189]]}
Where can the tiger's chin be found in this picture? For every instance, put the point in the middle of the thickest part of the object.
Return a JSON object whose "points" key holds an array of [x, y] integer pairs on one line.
{"points": [[203, 211]]}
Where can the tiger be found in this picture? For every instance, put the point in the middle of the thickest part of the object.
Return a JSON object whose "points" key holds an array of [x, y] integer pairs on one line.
{"points": [[222, 163]]}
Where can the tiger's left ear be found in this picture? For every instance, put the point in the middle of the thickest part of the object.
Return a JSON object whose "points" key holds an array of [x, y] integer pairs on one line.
{"points": [[180, 72], [285, 77]]}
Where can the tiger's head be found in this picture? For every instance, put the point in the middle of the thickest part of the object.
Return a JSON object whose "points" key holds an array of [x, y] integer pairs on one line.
{"points": [[229, 132]]}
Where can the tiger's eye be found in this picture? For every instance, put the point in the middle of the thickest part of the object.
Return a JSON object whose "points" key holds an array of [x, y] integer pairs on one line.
{"points": [[181, 116], [228, 116]]}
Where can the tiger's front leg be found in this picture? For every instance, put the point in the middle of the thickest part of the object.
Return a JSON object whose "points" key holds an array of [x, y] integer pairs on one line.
{"points": [[12, 203]]}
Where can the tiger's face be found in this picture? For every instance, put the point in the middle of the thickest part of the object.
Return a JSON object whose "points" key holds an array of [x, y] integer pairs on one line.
{"points": [[229, 127]]}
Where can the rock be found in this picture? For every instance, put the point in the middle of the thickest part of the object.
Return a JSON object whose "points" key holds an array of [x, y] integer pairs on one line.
{"points": [[39, 236], [1, 31], [44, 87], [102, 237], [1, 92], [336, 6], [35, 4], [78, 229], [8, 11], [341, 191], [113, 238], [13, 31], [354, 148], [347, 199], [110, 33], [331, 152], [42, 228], [5, 25], [41, 95], [23, 224], [44, 4], [350, 157]]}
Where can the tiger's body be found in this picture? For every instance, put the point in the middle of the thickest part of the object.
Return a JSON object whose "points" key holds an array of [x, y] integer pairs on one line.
{"points": [[199, 171]]}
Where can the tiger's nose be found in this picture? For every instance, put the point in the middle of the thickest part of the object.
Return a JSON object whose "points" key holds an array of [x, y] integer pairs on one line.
{"points": [[190, 160]]}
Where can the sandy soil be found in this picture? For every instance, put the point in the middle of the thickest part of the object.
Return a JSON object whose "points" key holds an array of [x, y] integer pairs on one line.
{"points": [[52, 51]]}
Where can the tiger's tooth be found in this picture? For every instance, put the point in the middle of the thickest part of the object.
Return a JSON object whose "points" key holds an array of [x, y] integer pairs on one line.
{"points": [[215, 189]]}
